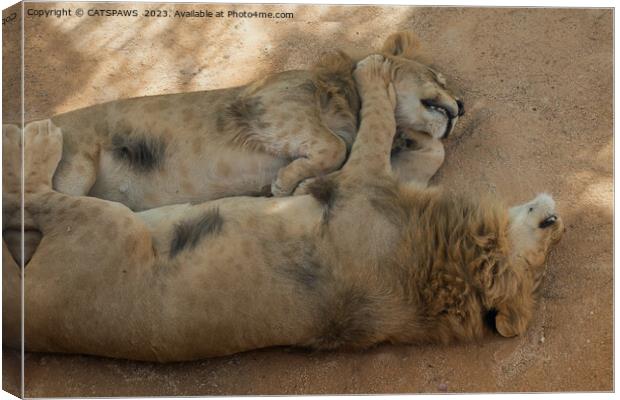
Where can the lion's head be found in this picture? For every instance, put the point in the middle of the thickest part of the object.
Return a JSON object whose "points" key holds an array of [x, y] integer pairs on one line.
{"points": [[425, 102], [477, 262], [533, 228]]}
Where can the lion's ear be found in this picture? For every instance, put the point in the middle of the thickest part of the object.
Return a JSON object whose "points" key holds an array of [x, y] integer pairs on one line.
{"points": [[402, 44], [337, 62], [513, 317]]}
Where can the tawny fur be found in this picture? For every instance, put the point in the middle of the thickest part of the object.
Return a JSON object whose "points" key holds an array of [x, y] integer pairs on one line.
{"points": [[388, 262], [261, 138]]}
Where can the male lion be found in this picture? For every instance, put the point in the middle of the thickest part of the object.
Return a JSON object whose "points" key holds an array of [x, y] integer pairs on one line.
{"points": [[263, 137], [363, 259]]}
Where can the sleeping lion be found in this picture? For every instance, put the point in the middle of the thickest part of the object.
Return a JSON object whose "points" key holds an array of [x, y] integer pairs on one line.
{"points": [[264, 137], [363, 259]]}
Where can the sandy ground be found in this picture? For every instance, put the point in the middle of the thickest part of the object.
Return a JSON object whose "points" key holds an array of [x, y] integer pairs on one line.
{"points": [[537, 85]]}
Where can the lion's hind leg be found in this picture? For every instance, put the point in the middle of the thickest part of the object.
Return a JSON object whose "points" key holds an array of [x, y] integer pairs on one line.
{"points": [[39, 166], [11, 156], [12, 183], [93, 255], [11, 299], [42, 150], [11, 176], [11, 243], [42, 153], [63, 219]]}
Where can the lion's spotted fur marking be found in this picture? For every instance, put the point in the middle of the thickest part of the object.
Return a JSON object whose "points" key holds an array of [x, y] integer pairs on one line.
{"points": [[188, 233], [141, 152]]}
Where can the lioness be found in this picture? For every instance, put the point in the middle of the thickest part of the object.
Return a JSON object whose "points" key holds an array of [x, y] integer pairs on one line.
{"points": [[363, 259], [264, 137]]}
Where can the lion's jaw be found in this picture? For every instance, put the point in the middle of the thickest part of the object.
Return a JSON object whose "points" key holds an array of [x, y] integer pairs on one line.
{"points": [[534, 228]]}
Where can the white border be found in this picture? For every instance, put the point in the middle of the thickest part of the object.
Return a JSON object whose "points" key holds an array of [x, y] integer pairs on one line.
{"points": [[458, 3]]}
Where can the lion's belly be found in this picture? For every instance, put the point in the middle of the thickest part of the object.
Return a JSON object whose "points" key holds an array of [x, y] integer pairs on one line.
{"points": [[235, 288], [216, 174]]}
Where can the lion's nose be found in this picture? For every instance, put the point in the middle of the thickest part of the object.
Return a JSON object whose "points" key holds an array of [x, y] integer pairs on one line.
{"points": [[461, 107]]}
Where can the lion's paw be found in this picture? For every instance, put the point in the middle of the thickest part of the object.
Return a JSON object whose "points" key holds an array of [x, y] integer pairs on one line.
{"points": [[42, 153], [279, 190], [11, 156], [374, 73], [374, 68]]}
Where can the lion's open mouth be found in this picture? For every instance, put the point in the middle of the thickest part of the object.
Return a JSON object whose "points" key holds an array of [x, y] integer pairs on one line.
{"points": [[547, 222], [437, 107], [434, 106]]}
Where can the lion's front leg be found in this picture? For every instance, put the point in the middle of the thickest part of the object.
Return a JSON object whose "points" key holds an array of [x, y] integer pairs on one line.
{"points": [[416, 163], [319, 152], [370, 155]]}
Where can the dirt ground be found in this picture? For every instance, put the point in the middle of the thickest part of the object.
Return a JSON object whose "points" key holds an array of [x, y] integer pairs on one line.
{"points": [[537, 86]]}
